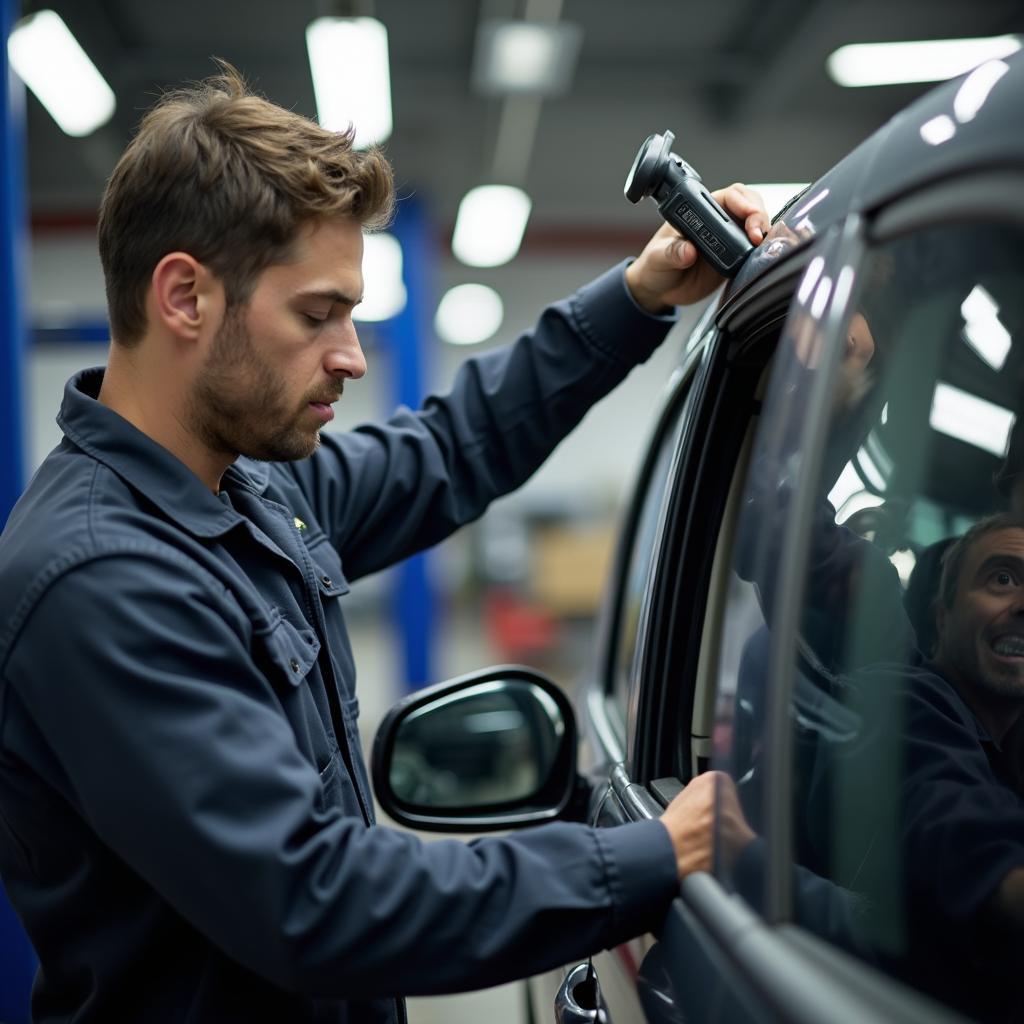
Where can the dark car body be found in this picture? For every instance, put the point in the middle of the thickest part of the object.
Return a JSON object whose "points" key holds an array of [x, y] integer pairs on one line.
{"points": [[744, 611]]}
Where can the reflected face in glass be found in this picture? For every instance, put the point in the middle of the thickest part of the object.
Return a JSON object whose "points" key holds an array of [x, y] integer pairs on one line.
{"points": [[981, 638], [854, 376]]}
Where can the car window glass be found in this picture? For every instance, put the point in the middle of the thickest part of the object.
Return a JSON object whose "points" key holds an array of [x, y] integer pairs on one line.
{"points": [[634, 579], [905, 735]]}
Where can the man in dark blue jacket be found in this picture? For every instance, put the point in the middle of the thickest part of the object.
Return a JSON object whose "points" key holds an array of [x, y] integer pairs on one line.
{"points": [[186, 827]]}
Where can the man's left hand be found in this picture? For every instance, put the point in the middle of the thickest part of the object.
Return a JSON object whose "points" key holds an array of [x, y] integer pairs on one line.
{"points": [[669, 271]]}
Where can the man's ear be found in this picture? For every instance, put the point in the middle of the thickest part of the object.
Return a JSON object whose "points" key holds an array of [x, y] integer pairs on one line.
{"points": [[185, 295]]}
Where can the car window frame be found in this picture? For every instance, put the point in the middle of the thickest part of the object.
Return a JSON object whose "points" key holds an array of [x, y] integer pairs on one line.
{"points": [[662, 737], [603, 704]]}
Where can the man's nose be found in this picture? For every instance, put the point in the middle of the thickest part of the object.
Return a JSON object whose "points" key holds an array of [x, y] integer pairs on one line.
{"points": [[346, 359]]}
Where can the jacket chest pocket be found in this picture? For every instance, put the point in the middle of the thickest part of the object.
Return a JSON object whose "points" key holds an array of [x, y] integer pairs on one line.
{"points": [[330, 579], [288, 655]]}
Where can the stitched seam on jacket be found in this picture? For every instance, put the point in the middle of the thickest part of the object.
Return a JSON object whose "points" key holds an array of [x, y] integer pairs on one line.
{"points": [[77, 557]]}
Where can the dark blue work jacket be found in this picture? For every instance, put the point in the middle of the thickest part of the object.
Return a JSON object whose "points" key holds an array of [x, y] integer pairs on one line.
{"points": [[186, 827]]}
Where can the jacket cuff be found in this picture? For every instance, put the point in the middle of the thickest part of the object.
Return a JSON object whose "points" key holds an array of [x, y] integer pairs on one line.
{"points": [[640, 865], [610, 319]]}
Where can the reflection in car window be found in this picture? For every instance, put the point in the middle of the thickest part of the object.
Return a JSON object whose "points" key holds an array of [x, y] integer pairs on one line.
{"points": [[637, 571], [907, 681]]}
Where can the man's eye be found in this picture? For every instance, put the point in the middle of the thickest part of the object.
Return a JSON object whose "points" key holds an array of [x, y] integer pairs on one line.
{"points": [[1002, 578], [313, 321]]}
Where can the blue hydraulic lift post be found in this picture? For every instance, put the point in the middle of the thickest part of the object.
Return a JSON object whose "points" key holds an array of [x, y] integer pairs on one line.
{"points": [[408, 338], [17, 961]]}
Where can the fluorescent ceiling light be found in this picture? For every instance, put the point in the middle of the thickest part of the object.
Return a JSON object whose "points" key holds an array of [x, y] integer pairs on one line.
{"points": [[348, 59], [490, 224], [531, 57], [468, 314], [983, 330], [926, 60], [969, 418], [777, 194], [384, 294], [50, 62]]}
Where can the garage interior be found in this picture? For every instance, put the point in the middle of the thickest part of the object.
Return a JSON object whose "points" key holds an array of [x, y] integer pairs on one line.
{"points": [[743, 84]]}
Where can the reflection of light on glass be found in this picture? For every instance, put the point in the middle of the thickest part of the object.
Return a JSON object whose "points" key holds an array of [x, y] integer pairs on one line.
{"points": [[924, 60], [844, 283], [811, 276], [847, 485], [969, 418], [977, 85], [811, 203], [493, 721], [904, 561], [867, 466], [549, 705], [384, 296], [938, 130], [983, 330], [480, 690], [821, 294], [884, 418], [777, 194], [857, 503]]}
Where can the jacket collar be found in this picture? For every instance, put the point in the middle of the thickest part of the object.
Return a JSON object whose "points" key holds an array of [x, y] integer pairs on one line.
{"points": [[147, 466]]}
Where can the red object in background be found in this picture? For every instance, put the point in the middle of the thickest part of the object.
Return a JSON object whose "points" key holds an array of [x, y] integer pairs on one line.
{"points": [[515, 627]]}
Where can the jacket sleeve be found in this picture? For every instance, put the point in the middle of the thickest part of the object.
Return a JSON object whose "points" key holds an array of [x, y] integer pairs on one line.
{"points": [[170, 744], [383, 492]]}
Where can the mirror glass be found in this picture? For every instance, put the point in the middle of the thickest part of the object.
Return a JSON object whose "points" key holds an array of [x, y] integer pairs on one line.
{"points": [[493, 743]]}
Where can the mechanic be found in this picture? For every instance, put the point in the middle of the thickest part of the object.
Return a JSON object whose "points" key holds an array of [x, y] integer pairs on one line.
{"points": [[187, 828]]}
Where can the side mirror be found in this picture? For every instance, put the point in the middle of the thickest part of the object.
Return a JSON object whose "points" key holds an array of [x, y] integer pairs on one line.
{"points": [[491, 750]]}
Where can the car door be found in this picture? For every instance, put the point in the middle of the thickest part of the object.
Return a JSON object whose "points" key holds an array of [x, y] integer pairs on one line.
{"points": [[630, 653], [824, 465]]}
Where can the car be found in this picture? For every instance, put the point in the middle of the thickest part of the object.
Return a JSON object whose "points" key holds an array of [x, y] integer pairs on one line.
{"points": [[844, 408]]}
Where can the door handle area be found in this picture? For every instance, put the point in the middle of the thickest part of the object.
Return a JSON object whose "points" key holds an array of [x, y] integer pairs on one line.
{"points": [[579, 999]]}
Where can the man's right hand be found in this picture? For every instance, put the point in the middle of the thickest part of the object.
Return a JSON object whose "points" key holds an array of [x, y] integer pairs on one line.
{"points": [[706, 810]]}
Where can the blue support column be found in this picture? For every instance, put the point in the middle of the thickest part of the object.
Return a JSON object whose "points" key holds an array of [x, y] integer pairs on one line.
{"points": [[408, 339], [17, 961]]}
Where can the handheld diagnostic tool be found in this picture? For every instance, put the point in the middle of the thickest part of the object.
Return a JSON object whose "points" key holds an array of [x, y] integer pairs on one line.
{"points": [[686, 204]]}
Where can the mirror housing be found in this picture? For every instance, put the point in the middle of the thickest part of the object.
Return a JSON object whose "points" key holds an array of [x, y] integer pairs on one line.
{"points": [[495, 749]]}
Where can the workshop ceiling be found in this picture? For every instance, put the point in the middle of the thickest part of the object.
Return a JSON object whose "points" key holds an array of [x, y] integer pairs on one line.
{"points": [[742, 84]]}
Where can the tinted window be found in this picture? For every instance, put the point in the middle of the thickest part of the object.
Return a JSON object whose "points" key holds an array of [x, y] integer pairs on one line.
{"points": [[639, 563], [905, 679]]}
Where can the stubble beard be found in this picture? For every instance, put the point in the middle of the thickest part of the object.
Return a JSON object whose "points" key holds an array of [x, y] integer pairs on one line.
{"points": [[236, 406]]}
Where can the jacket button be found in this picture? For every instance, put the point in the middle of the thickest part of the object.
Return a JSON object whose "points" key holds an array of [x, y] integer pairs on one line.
{"points": [[294, 664], [326, 581]]}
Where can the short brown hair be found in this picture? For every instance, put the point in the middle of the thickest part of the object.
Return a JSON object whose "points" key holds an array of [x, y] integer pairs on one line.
{"points": [[953, 558], [228, 177]]}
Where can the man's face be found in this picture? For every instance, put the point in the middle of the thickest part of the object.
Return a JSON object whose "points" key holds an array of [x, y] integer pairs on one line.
{"points": [[981, 638], [278, 362]]}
